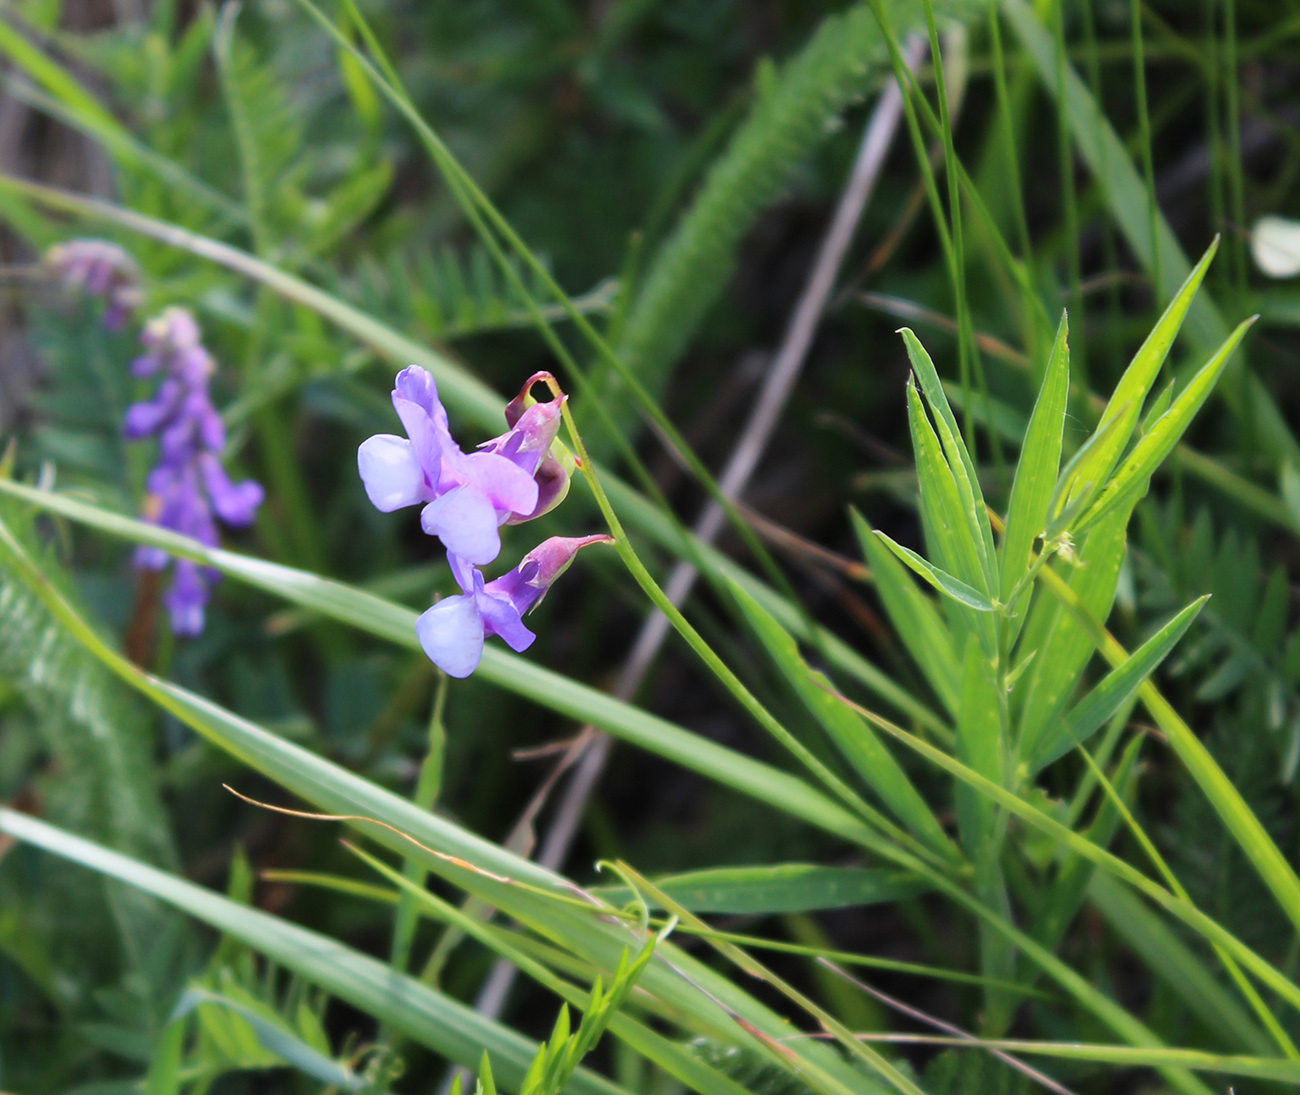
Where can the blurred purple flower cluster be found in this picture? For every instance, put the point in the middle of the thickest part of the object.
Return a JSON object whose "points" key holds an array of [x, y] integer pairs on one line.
{"points": [[188, 485], [466, 499], [101, 269]]}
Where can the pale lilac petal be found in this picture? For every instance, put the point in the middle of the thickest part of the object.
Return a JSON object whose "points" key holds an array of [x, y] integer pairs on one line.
{"points": [[528, 441], [428, 441], [526, 585], [507, 486], [235, 503], [466, 523], [451, 633], [501, 618], [391, 472], [417, 386]]}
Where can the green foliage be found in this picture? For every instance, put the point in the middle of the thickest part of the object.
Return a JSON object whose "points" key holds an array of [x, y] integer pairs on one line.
{"points": [[1119, 899], [795, 109], [970, 1072]]}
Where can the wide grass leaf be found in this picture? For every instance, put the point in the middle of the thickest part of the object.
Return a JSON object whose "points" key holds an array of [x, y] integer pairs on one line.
{"points": [[520, 888], [396, 623]]}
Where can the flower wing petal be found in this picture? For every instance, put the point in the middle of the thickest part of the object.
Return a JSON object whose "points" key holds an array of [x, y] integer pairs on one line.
{"points": [[391, 472], [451, 633], [500, 617]]}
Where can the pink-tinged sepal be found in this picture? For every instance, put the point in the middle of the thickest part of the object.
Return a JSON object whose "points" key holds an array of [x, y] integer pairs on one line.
{"points": [[529, 582]]}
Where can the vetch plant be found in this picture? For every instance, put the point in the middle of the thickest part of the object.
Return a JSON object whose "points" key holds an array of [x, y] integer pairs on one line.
{"points": [[100, 269], [189, 483], [513, 478]]}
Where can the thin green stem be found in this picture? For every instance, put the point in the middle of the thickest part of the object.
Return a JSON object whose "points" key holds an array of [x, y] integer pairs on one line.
{"points": [[1069, 199], [1144, 131], [1236, 180]]}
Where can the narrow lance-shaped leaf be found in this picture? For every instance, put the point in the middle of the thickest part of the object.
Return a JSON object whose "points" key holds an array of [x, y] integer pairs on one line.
{"points": [[1130, 393], [1066, 648], [1040, 457], [1068, 484], [1118, 687], [956, 544], [913, 614], [942, 581], [954, 446], [1129, 483]]}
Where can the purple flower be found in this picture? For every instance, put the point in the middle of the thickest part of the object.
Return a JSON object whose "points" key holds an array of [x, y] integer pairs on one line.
{"points": [[466, 497], [101, 269], [189, 483], [453, 630], [532, 443]]}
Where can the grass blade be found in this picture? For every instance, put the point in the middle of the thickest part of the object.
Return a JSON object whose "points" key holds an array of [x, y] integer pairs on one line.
{"points": [[396, 623], [1177, 964], [781, 888], [1184, 910], [444, 1025], [518, 887]]}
